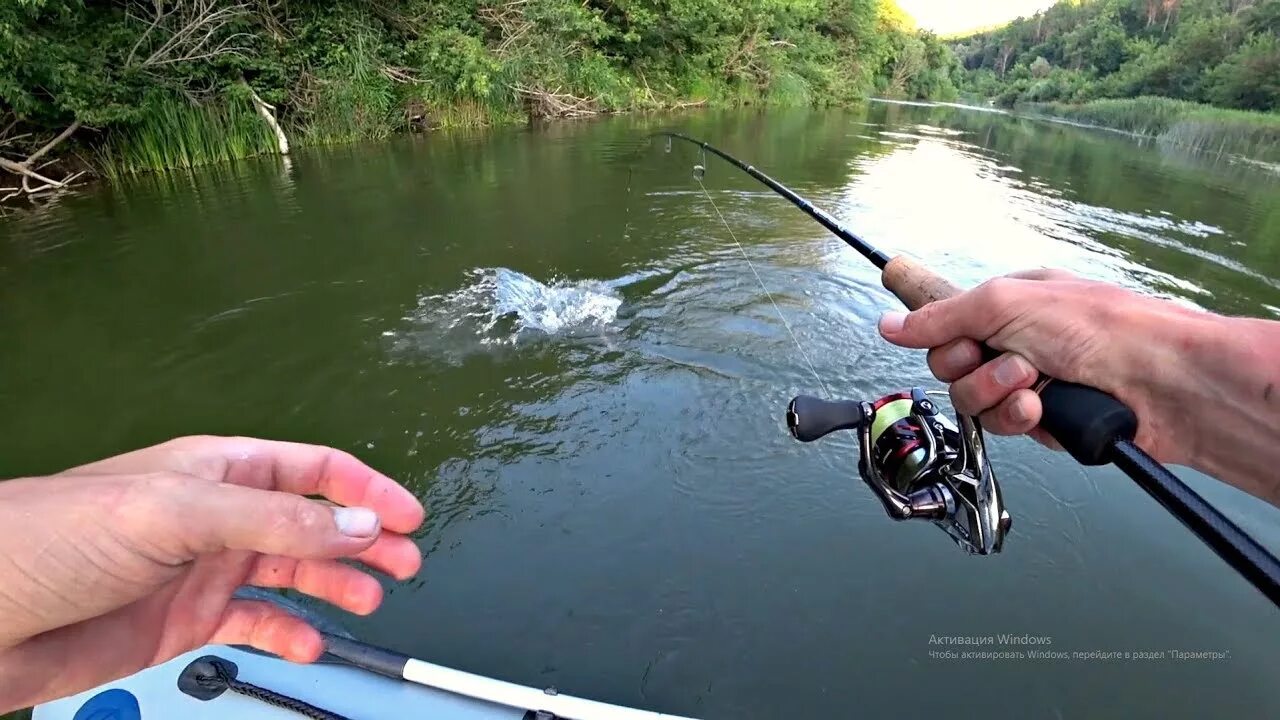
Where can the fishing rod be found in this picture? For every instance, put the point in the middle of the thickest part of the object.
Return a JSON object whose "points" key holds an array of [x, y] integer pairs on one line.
{"points": [[919, 465]]}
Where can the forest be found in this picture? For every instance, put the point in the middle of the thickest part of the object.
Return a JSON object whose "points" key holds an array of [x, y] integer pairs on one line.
{"points": [[1201, 74], [115, 87], [1220, 52]]}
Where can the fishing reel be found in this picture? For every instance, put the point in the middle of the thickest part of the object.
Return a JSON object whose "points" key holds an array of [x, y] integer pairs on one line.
{"points": [[917, 462]]}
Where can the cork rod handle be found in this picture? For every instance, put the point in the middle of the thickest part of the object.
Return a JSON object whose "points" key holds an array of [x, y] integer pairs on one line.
{"points": [[915, 284]]}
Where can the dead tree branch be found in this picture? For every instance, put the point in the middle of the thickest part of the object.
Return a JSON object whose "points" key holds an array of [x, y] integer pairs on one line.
{"points": [[555, 104], [52, 143], [509, 20], [268, 115], [28, 171], [184, 31]]}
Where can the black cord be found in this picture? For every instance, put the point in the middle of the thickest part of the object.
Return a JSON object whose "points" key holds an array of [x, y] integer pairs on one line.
{"points": [[1232, 544], [210, 676]]}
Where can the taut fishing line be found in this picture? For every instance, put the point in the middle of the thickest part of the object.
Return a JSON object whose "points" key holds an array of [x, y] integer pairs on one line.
{"points": [[743, 251]]}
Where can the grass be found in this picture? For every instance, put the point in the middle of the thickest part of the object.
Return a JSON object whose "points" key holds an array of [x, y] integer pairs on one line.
{"points": [[469, 114], [1201, 128], [354, 99], [177, 134]]}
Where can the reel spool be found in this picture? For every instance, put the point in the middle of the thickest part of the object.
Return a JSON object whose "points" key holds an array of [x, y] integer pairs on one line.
{"points": [[917, 462]]}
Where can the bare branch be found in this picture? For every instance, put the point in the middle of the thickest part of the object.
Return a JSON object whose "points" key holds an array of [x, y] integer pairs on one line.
{"points": [[544, 103], [405, 75], [186, 31], [53, 143], [26, 172], [268, 115]]}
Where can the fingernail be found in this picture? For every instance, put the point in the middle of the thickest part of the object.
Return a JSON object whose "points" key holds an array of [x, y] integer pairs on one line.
{"points": [[1012, 371], [356, 522], [961, 355], [891, 322]]}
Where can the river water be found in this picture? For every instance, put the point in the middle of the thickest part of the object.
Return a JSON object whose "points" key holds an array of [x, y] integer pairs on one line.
{"points": [[551, 338]]}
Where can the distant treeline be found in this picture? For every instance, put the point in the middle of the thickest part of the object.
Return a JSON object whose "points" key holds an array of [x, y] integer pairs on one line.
{"points": [[1224, 53], [152, 84]]}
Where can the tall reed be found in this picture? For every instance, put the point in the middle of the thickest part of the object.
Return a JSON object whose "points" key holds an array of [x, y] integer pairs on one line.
{"points": [[174, 133], [1202, 128]]}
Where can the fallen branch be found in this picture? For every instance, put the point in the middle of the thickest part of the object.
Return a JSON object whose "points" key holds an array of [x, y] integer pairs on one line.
{"points": [[404, 75], [268, 114], [555, 104], [53, 143], [688, 104], [26, 172]]}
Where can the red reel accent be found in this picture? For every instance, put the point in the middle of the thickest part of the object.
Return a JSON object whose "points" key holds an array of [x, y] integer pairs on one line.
{"points": [[904, 395]]}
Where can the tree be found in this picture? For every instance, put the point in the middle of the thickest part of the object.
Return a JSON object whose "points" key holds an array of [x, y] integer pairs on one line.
{"points": [[1215, 51], [1250, 77]]}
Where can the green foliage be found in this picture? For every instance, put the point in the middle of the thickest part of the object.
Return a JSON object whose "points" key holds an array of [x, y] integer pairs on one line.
{"points": [[353, 98], [173, 133], [160, 90], [1223, 52], [1249, 77]]}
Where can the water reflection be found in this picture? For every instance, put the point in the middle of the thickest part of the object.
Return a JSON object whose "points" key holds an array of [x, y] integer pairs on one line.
{"points": [[619, 511]]}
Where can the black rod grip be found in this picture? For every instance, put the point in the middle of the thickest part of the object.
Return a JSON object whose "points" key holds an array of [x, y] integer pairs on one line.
{"points": [[1085, 421], [366, 656]]}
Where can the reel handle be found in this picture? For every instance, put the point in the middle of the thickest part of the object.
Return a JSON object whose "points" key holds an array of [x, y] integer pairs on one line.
{"points": [[809, 418], [1085, 421]]}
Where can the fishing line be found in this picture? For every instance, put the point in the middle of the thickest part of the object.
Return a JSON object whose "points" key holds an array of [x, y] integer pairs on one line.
{"points": [[698, 176]]}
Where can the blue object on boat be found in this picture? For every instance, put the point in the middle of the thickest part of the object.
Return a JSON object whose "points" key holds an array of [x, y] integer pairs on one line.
{"points": [[113, 704]]}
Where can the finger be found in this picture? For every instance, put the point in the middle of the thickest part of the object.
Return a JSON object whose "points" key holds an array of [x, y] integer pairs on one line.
{"points": [[395, 555], [274, 465], [955, 359], [940, 322], [1045, 439], [316, 470], [269, 628], [329, 580], [987, 386], [1017, 414], [189, 517], [1044, 274]]}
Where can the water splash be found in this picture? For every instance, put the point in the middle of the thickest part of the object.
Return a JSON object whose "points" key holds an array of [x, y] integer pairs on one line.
{"points": [[559, 307], [499, 306]]}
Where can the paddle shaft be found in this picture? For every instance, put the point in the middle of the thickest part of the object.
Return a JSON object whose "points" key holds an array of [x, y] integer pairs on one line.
{"points": [[402, 667]]}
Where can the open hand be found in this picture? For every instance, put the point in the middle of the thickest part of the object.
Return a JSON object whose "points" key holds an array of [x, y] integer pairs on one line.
{"points": [[112, 567]]}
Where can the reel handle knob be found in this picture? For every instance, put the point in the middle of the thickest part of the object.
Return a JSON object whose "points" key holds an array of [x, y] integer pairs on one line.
{"points": [[809, 418]]}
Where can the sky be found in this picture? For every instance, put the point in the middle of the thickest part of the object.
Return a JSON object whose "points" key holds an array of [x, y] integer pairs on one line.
{"points": [[949, 16]]}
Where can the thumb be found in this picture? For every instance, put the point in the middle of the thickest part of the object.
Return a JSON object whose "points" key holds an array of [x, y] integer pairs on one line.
{"points": [[977, 314], [208, 517], [934, 324]]}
